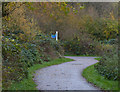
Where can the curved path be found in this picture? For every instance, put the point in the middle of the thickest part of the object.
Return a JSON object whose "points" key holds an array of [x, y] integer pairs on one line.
{"points": [[65, 76]]}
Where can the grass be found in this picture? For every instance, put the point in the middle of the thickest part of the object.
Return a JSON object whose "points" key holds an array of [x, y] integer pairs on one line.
{"points": [[92, 76], [82, 55], [98, 58], [29, 84]]}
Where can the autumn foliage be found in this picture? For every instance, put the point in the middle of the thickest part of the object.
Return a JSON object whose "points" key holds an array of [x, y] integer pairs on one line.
{"points": [[27, 29]]}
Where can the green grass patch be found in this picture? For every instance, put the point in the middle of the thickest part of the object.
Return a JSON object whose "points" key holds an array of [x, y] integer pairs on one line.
{"points": [[92, 76], [29, 84], [98, 58], [82, 55]]}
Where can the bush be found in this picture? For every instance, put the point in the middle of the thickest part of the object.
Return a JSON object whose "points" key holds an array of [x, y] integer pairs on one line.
{"points": [[110, 41], [102, 29], [82, 46], [108, 65], [49, 46], [18, 56], [13, 69], [30, 55]]}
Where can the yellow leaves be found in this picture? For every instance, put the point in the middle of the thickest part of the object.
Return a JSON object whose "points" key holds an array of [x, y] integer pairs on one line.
{"points": [[29, 3], [71, 7], [78, 39], [12, 6], [6, 39], [65, 4], [12, 40], [51, 14], [59, 4], [117, 31], [62, 4], [82, 7], [112, 16], [18, 18], [105, 31], [7, 18], [21, 36]]}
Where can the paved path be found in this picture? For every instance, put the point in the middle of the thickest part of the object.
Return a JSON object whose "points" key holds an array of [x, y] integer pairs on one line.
{"points": [[65, 76]]}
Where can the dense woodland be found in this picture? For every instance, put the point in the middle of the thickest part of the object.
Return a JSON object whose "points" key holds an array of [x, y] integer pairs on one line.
{"points": [[84, 29]]}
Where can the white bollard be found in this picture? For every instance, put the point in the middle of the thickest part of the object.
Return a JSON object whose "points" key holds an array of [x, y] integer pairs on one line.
{"points": [[56, 35]]}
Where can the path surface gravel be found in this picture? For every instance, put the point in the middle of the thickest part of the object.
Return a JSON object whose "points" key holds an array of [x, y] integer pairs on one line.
{"points": [[65, 76]]}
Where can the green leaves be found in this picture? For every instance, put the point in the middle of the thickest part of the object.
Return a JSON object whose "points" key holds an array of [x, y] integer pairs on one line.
{"points": [[102, 29], [82, 46], [30, 6], [82, 7], [108, 65], [18, 56]]}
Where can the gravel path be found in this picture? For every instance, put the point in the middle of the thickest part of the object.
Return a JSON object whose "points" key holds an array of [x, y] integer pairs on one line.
{"points": [[65, 76]]}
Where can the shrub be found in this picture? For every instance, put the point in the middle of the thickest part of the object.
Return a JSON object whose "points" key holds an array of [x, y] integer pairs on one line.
{"points": [[13, 69], [82, 46], [49, 46], [108, 65], [102, 28], [18, 56], [30, 55], [110, 41]]}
